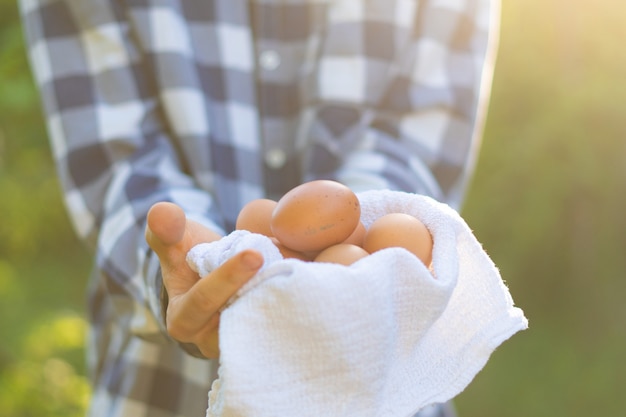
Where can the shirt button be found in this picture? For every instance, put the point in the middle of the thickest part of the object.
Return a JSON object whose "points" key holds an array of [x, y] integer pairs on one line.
{"points": [[269, 60], [275, 158]]}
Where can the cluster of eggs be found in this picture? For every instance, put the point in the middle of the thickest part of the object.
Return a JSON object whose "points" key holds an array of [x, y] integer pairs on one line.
{"points": [[321, 221]]}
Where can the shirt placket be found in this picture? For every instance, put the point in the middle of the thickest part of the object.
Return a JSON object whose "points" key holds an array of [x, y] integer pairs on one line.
{"points": [[278, 97]]}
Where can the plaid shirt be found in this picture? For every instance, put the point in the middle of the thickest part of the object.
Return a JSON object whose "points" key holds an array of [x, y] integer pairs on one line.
{"points": [[210, 104]]}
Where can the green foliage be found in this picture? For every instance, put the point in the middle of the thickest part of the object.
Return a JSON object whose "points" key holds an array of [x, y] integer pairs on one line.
{"points": [[42, 267], [46, 371], [547, 202], [27, 177]]}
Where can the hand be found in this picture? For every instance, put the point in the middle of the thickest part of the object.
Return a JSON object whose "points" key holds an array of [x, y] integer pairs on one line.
{"points": [[194, 303]]}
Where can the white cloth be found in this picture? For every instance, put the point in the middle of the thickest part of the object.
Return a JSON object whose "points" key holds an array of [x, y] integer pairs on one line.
{"points": [[382, 337]]}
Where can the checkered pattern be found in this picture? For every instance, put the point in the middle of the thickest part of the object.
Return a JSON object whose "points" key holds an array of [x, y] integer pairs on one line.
{"points": [[211, 104]]}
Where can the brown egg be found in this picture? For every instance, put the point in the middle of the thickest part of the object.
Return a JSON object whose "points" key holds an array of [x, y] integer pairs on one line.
{"points": [[400, 230], [315, 215], [357, 237], [255, 216], [290, 253], [342, 253]]}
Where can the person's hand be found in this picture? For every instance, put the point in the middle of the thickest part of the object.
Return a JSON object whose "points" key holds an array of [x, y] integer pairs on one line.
{"points": [[194, 304]]}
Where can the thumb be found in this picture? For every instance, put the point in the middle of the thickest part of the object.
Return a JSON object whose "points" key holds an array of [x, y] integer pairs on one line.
{"points": [[166, 223]]}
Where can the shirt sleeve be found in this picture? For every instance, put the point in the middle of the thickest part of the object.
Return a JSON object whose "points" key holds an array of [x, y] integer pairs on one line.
{"points": [[402, 95], [112, 145]]}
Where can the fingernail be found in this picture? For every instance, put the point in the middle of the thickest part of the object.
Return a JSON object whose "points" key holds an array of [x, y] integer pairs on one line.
{"points": [[252, 260]]}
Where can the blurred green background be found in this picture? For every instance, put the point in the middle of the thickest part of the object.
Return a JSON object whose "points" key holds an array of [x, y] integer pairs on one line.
{"points": [[547, 202]]}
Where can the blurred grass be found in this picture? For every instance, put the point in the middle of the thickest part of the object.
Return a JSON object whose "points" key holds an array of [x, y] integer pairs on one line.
{"points": [[42, 266], [547, 202]]}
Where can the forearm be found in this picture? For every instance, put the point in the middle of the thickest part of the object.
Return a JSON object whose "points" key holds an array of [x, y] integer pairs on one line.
{"points": [[115, 153]]}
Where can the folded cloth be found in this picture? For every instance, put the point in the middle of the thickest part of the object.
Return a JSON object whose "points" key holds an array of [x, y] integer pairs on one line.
{"points": [[385, 336]]}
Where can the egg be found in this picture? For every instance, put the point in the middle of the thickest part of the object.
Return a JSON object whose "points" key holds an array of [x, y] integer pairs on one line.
{"points": [[400, 230], [315, 215], [290, 253], [342, 253], [357, 237], [255, 216]]}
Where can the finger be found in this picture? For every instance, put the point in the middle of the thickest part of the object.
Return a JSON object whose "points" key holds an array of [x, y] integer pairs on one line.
{"points": [[205, 338], [166, 224], [209, 345], [192, 310], [165, 233], [169, 232]]}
